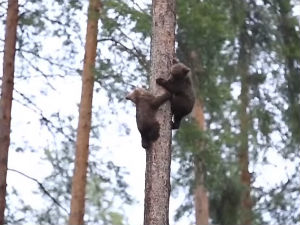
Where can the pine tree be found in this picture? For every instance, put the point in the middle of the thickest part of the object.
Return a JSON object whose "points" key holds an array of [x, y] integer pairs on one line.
{"points": [[7, 96], [158, 157], [85, 112]]}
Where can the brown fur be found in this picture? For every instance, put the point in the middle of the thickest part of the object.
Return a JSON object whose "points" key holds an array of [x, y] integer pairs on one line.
{"points": [[179, 85], [146, 108]]}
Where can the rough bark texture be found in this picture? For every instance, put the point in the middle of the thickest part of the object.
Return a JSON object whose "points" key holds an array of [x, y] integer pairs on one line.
{"points": [[200, 192], [243, 67], [85, 111], [158, 158], [7, 96]]}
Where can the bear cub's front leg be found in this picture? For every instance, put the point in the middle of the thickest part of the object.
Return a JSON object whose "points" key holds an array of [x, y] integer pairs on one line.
{"points": [[179, 84]]}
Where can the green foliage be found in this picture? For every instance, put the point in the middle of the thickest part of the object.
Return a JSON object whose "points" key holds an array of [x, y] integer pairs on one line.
{"points": [[221, 177], [75, 4], [116, 218], [12, 214], [293, 120], [207, 37], [106, 214], [105, 185], [59, 23], [125, 26], [208, 30], [225, 200], [34, 19], [265, 121], [203, 26], [203, 22], [117, 13], [204, 30], [191, 136]]}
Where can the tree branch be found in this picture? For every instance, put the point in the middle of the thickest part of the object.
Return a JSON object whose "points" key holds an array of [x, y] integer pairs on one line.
{"points": [[42, 187], [135, 52], [43, 118]]}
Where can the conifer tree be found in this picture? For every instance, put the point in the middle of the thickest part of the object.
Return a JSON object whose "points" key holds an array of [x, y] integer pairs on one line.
{"points": [[85, 112], [7, 96], [158, 157]]}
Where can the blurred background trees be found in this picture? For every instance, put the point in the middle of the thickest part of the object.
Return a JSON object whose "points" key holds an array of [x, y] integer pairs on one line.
{"points": [[236, 157]]}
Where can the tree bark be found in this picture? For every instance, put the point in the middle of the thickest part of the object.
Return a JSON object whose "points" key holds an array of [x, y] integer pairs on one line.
{"points": [[85, 114], [7, 96], [158, 157], [200, 192], [243, 67]]}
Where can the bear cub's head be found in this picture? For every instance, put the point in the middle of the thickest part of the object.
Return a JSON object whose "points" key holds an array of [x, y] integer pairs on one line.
{"points": [[179, 70], [134, 95]]}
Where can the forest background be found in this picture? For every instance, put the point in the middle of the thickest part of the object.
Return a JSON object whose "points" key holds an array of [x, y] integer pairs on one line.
{"points": [[240, 145]]}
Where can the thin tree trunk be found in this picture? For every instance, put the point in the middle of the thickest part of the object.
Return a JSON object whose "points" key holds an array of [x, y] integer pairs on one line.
{"points": [[200, 192], [243, 67], [7, 96], [85, 114], [158, 158], [201, 200]]}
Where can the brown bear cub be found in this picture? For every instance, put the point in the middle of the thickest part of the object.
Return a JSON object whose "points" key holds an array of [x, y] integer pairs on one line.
{"points": [[179, 85], [146, 108]]}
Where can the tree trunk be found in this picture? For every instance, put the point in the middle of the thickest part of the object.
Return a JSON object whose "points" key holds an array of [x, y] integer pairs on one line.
{"points": [[85, 114], [7, 96], [243, 67], [158, 157], [201, 199], [200, 192]]}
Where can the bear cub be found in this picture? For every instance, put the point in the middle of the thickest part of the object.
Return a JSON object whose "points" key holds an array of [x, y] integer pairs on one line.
{"points": [[179, 84], [146, 108]]}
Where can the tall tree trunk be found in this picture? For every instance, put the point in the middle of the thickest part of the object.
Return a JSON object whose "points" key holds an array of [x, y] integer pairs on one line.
{"points": [[243, 68], [85, 114], [7, 96], [201, 199], [200, 192], [158, 157]]}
